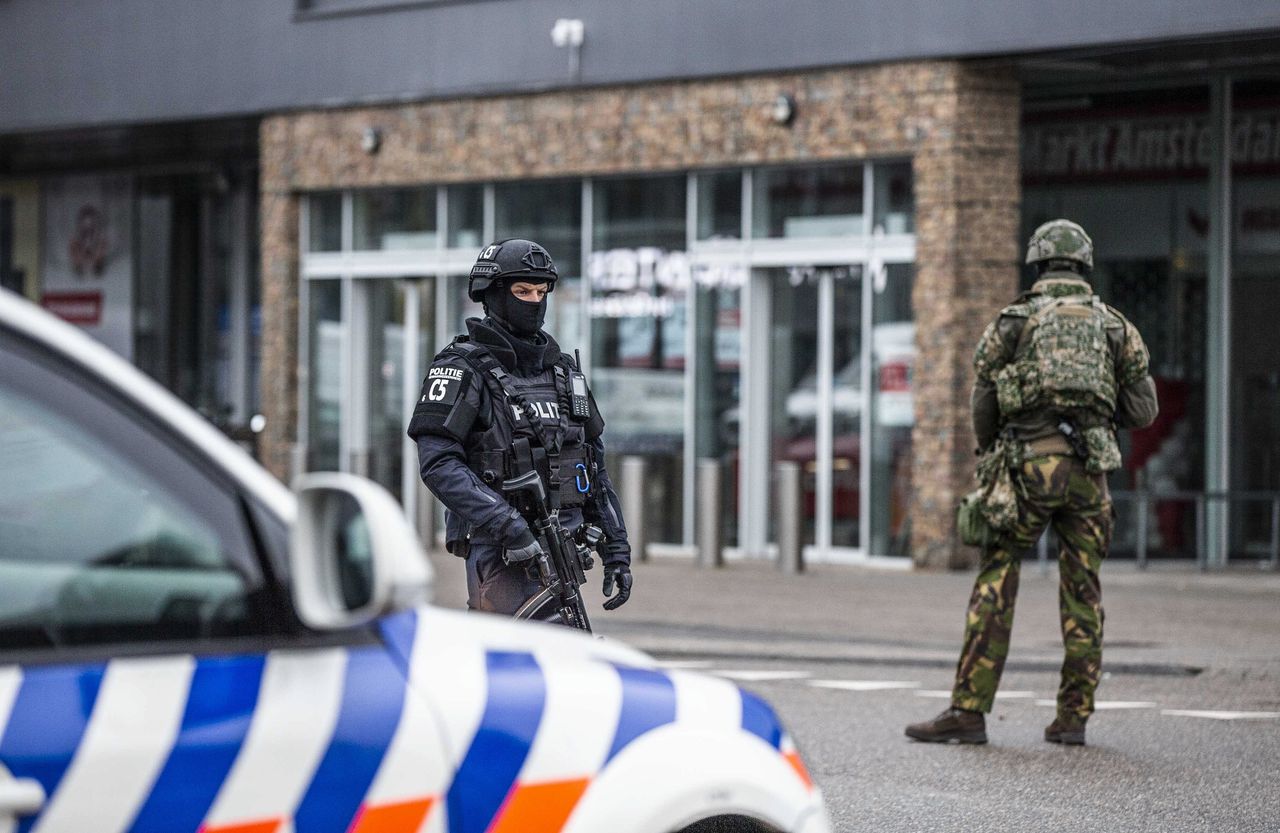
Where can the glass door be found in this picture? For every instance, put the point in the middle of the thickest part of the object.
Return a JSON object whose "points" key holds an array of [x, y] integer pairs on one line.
{"points": [[397, 343], [794, 377], [369, 343], [838, 347], [815, 398], [892, 409]]}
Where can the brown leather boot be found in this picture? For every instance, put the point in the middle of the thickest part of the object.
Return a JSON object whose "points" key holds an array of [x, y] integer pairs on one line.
{"points": [[1068, 731], [959, 725]]}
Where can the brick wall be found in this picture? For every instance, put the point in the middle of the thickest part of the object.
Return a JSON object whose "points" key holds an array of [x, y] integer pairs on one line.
{"points": [[958, 122]]}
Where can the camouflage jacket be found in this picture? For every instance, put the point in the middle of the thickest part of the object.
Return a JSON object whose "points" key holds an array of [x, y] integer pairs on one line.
{"points": [[1136, 392]]}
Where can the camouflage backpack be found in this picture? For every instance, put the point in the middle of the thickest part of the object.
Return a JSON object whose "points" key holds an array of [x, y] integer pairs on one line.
{"points": [[1062, 365]]}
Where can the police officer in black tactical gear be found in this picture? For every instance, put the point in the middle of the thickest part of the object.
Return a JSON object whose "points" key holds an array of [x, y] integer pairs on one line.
{"points": [[498, 401]]}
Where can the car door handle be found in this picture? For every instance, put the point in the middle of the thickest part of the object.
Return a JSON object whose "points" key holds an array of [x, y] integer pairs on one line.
{"points": [[21, 797]]}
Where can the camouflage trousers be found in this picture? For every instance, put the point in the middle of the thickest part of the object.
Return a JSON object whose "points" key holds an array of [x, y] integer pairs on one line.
{"points": [[1055, 489]]}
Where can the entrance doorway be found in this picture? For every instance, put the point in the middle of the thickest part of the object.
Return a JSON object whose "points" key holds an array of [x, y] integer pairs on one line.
{"points": [[369, 342], [828, 373]]}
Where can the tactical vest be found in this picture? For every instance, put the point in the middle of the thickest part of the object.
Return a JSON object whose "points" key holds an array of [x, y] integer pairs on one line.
{"points": [[531, 425], [1061, 363]]}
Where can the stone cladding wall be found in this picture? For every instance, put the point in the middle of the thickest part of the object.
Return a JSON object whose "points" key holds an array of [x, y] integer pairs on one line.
{"points": [[958, 122]]}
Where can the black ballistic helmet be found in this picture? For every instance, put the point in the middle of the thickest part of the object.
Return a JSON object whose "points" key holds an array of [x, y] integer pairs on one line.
{"points": [[510, 261]]}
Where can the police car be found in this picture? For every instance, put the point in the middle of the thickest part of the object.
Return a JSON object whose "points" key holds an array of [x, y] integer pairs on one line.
{"points": [[186, 645]]}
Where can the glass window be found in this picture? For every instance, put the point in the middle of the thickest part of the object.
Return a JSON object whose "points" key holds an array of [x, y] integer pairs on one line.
{"points": [[400, 219], [549, 213], [893, 357], [793, 401], [808, 202], [639, 275], [461, 307], [894, 203], [324, 373], [720, 205], [1255, 309], [109, 533], [1146, 208], [324, 222], [719, 385], [466, 216]]}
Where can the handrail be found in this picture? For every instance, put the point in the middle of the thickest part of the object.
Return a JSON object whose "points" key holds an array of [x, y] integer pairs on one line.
{"points": [[1145, 497]]}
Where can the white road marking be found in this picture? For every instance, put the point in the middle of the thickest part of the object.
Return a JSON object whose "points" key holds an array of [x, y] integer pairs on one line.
{"points": [[863, 685], [945, 694], [756, 676], [684, 663], [1220, 715], [1104, 705]]}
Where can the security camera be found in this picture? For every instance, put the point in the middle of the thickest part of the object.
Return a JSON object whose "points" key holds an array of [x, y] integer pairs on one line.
{"points": [[568, 32]]}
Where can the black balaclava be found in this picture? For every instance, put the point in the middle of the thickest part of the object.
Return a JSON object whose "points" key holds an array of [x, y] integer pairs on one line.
{"points": [[523, 318]]}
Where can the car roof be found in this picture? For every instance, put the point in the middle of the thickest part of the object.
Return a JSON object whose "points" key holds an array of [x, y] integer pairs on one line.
{"points": [[27, 319]]}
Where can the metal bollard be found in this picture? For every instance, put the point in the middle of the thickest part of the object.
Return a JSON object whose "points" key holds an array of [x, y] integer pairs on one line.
{"points": [[709, 518], [633, 499], [1142, 529], [1202, 535], [1274, 560], [790, 516]]}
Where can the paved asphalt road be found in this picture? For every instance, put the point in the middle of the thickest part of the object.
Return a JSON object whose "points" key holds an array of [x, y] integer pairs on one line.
{"points": [[849, 656]]}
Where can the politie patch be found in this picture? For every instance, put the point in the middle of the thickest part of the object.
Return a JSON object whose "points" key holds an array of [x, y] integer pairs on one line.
{"points": [[441, 386]]}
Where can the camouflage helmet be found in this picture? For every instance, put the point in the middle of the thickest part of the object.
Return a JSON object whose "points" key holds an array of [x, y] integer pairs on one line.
{"points": [[511, 260], [1060, 240]]}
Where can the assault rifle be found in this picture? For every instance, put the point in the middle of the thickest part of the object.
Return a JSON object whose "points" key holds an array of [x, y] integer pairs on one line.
{"points": [[564, 560]]}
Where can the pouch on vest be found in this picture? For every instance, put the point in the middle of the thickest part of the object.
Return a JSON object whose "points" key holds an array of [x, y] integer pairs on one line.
{"points": [[441, 403], [1104, 451], [996, 497], [1062, 361], [971, 523]]}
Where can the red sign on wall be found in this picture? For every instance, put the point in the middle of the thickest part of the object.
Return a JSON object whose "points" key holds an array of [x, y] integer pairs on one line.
{"points": [[82, 308]]}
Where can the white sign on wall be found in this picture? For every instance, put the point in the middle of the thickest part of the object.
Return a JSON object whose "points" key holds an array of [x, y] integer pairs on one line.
{"points": [[646, 282], [87, 276]]}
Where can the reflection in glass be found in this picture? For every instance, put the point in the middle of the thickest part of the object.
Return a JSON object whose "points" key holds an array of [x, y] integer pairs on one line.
{"points": [[399, 219], [718, 353], [1255, 308], [638, 330], [808, 202], [893, 353], [793, 400], [96, 548], [324, 222], [720, 205], [354, 553], [846, 411], [894, 199], [549, 213], [1151, 226], [386, 350], [461, 307], [466, 216], [324, 373]]}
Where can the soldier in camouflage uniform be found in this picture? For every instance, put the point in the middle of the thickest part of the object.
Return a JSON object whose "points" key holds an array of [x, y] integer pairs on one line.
{"points": [[1056, 373]]}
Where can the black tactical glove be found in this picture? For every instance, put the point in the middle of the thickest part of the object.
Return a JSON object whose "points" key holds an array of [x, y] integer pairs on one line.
{"points": [[524, 548], [621, 574]]}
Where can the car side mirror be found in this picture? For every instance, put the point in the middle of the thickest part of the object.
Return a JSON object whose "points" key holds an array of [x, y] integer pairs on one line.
{"points": [[353, 555]]}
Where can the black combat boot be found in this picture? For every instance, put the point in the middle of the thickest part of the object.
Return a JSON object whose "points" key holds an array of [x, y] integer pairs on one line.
{"points": [[959, 725], [1068, 731]]}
